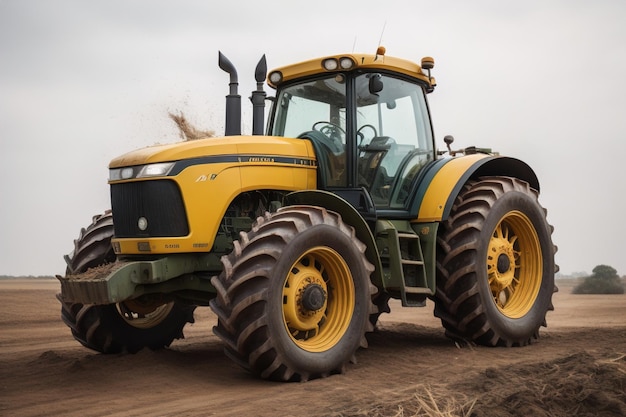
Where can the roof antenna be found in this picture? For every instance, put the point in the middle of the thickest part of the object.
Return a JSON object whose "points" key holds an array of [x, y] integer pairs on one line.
{"points": [[354, 43], [380, 51]]}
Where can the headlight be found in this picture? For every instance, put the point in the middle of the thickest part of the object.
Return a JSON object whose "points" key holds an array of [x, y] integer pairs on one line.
{"points": [[155, 170], [145, 171], [125, 173]]}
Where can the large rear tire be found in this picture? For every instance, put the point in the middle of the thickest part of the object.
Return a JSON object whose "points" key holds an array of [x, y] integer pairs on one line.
{"points": [[151, 321], [294, 299], [495, 264]]}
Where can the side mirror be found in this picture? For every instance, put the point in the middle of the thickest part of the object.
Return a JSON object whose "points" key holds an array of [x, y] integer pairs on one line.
{"points": [[376, 83], [448, 139]]}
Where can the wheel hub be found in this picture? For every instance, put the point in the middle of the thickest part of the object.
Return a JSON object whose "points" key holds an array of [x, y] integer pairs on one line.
{"points": [[313, 297], [501, 261], [304, 297], [500, 266], [504, 263]]}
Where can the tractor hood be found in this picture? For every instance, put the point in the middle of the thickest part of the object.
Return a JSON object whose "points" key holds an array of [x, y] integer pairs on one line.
{"points": [[246, 146]]}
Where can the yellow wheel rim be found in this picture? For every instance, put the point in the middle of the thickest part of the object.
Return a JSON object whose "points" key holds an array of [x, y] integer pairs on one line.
{"points": [[144, 315], [318, 299], [514, 265]]}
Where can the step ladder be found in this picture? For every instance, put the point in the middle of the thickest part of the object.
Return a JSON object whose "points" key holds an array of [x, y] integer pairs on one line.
{"points": [[407, 268]]}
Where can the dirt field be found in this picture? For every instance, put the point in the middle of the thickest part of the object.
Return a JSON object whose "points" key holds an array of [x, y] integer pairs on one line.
{"points": [[577, 367]]}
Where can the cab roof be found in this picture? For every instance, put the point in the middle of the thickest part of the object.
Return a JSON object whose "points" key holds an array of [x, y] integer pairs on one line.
{"points": [[351, 62]]}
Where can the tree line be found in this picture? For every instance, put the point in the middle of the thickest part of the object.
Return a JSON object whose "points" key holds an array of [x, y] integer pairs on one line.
{"points": [[603, 280], [26, 277]]}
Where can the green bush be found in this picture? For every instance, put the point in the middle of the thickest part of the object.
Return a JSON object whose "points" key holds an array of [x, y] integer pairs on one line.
{"points": [[604, 280]]}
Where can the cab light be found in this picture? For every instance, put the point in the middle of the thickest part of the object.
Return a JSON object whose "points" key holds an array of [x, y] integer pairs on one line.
{"points": [[428, 63], [346, 63], [276, 77], [330, 64]]}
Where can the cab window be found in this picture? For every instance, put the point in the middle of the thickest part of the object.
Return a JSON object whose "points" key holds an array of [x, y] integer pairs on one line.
{"points": [[317, 109], [393, 135]]}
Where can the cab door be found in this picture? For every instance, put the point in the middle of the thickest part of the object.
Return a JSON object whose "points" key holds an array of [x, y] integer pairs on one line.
{"points": [[393, 137]]}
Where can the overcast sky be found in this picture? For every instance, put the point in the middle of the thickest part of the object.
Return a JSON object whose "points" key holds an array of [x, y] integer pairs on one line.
{"points": [[82, 82]]}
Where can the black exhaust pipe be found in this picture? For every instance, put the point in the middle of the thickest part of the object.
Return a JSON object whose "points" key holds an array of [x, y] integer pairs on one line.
{"points": [[233, 100], [258, 98]]}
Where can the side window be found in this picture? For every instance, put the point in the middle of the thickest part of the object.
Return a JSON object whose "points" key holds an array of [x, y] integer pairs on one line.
{"points": [[395, 119], [415, 162], [392, 127]]}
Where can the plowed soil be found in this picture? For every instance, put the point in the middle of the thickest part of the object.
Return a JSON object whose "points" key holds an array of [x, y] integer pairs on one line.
{"points": [[577, 367]]}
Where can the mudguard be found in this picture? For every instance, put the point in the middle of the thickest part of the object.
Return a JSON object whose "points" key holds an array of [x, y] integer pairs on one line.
{"points": [[439, 188], [333, 202]]}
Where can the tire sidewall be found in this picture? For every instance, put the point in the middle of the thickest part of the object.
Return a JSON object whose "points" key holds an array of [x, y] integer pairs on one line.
{"points": [[331, 359], [516, 329], [126, 337]]}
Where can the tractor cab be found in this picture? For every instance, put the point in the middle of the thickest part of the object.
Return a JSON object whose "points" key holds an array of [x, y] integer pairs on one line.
{"points": [[369, 125]]}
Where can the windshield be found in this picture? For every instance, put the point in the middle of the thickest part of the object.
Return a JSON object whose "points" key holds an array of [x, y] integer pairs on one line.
{"points": [[317, 110], [301, 106]]}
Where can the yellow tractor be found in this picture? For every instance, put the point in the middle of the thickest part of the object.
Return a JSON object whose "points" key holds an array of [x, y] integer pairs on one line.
{"points": [[297, 238]]}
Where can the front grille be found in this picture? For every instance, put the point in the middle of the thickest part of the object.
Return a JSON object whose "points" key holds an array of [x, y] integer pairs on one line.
{"points": [[158, 201]]}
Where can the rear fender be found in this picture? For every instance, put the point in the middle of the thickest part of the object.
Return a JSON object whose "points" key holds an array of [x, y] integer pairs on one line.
{"points": [[440, 188]]}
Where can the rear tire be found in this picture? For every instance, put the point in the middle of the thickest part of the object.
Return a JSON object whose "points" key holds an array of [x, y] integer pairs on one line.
{"points": [[150, 321], [495, 264], [294, 298]]}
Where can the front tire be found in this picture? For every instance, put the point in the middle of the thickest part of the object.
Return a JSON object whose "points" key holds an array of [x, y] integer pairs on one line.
{"points": [[495, 264], [151, 321], [294, 298]]}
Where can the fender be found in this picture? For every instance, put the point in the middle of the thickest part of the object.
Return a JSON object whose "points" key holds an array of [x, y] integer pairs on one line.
{"points": [[350, 215], [442, 184]]}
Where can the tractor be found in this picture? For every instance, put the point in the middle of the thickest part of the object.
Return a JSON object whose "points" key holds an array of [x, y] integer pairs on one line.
{"points": [[298, 235]]}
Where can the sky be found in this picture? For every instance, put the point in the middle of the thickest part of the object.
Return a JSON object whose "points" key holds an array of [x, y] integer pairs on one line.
{"points": [[82, 82]]}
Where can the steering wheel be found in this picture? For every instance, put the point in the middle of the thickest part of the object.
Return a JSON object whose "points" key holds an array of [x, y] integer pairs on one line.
{"points": [[329, 129], [360, 134], [333, 132]]}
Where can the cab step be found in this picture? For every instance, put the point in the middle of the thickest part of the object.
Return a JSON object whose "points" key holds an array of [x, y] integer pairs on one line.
{"points": [[406, 272]]}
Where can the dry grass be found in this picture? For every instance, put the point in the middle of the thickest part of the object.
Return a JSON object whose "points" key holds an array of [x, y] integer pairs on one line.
{"points": [[433, 402], [426, 401], [187, 131], [441, 404]]}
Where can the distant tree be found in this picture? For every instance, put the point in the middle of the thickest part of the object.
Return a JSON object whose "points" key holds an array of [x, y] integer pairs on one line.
{"points": [[604, 280]]}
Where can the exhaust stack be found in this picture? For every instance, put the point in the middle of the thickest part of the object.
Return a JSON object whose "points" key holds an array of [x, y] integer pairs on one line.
{"points": [[233, 100], [258, 98]]}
